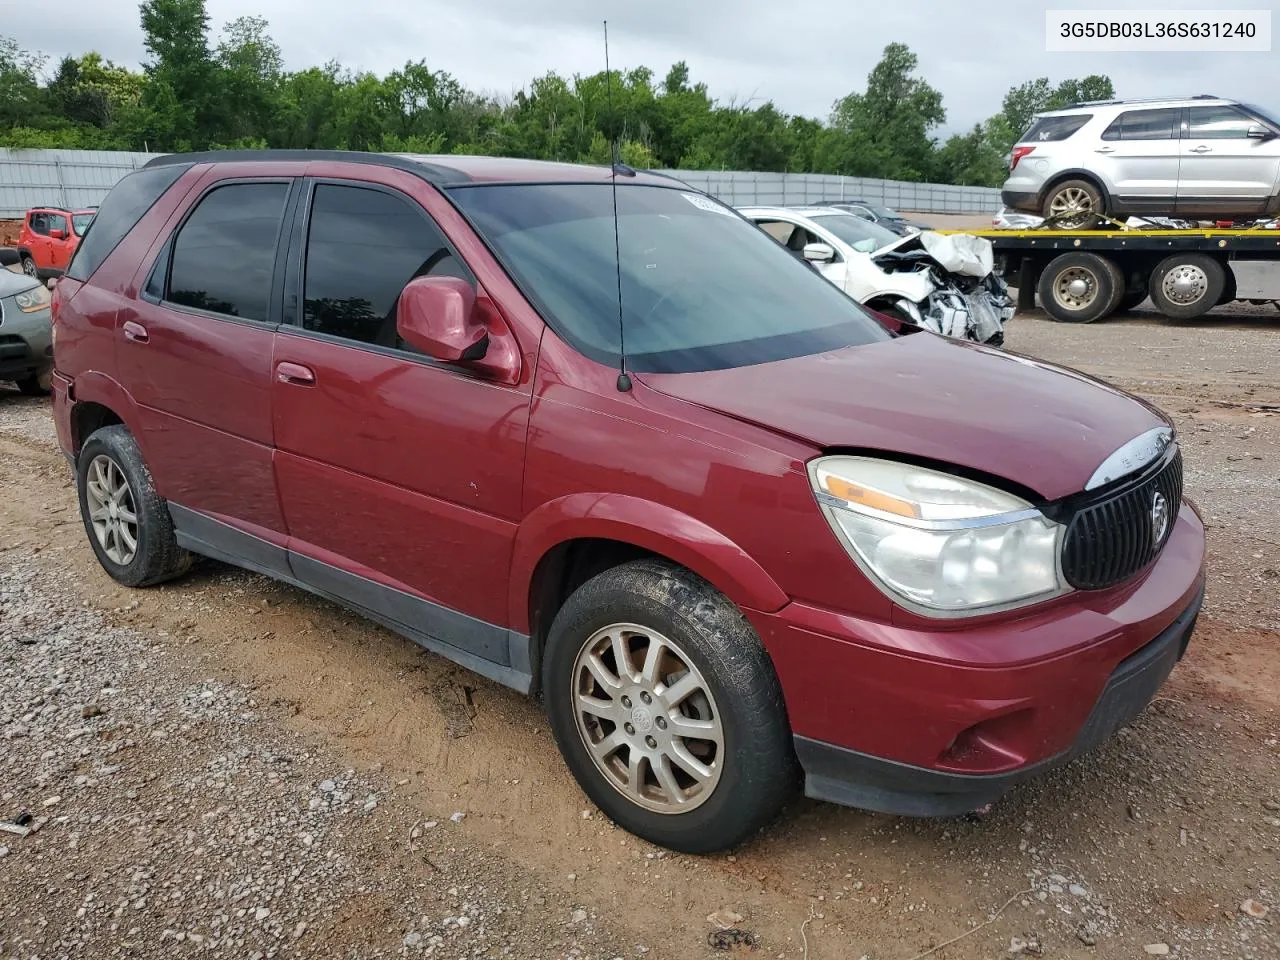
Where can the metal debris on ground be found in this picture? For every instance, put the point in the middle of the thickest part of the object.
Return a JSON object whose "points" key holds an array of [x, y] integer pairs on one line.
{"points": [[733, 939]]}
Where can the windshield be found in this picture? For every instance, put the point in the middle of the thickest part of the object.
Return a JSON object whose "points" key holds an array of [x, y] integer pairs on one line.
{"points": [[702, 288], [863, 235], [80, 222]]}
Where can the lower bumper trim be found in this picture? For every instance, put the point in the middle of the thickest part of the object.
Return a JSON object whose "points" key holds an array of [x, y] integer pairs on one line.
{"points": [[840, 775]]}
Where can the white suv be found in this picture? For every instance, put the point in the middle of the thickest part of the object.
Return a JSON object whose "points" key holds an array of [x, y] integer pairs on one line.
{"points": [[1201, 158]]}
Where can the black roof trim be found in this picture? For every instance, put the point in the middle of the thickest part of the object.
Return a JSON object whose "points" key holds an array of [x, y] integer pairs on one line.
{"points": [[433, 173]]}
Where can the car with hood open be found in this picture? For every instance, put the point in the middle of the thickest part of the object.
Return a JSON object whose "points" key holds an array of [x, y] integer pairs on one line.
{"points": [[593, 435], [943, 282]]}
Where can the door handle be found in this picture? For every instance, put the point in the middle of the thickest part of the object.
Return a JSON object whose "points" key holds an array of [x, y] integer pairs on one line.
{"points": [[295, 373], [1201, 149], [1105, 150], [135, 332]]}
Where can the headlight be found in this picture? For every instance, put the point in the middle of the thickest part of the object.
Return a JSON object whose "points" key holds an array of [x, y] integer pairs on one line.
{"points": [[29, 301], [939, 543]]}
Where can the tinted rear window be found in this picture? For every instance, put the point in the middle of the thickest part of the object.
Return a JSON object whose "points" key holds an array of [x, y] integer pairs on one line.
{"points": [[1049, 129], [125, 205], [1145, 125]]}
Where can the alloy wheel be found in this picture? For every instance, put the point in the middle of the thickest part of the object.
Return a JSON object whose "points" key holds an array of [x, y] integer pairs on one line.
{"points": [[648, 718], [112, 510], [1072, 207]]}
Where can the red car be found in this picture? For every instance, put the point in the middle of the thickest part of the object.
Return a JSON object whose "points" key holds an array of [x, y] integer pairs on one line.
{"points": [[48, 238], [735, 533]]}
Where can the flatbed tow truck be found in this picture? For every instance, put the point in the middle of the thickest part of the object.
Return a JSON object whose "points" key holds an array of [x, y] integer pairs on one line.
{"points": [[1085, 275]]}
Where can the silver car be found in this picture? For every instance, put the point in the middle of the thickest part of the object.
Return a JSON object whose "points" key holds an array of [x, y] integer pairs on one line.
{"points": [[26, 336], [1199, 158]]}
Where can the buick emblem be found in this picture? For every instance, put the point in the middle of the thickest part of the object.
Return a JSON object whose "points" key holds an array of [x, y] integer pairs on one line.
{"points": [[1159, 518]]}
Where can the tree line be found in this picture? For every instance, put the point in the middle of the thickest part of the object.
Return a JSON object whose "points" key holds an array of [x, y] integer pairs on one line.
{"points": [[196, 92]]}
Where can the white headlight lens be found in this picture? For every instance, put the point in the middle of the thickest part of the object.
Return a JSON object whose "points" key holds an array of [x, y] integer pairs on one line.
{"points": [[29, 301], [938, 541]]}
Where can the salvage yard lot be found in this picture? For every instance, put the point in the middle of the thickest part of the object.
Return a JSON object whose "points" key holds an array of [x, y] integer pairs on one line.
{"points": [[226, 765]]}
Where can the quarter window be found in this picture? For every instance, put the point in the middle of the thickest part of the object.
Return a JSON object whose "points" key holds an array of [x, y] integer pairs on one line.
{"points": [[1050, 129], [1144, 125], [1219, 123], [224, 255], [362, 248]]}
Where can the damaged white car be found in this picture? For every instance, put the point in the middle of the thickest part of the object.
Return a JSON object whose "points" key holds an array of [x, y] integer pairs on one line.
{"points": [[942, 282]]}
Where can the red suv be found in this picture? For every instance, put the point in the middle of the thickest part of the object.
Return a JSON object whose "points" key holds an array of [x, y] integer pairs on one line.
{"points": [[48, 238], [736, 533]]}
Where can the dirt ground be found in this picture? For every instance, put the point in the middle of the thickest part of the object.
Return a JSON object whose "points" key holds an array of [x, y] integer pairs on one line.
{"points": [[225, 765]]}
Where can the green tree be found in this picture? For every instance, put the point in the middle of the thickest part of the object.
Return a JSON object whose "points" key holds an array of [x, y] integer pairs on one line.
{"points": [[180, 97]]}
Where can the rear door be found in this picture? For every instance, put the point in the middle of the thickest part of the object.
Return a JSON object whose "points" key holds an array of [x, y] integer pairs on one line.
{"points": [[38, 239], [1140, 152], [400, 476], [1224, 170], [195, 351]]}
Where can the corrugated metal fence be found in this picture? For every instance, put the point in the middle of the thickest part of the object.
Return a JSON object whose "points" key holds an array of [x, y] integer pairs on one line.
{"points": [[789, 189], [81, 178], [64, 178]]}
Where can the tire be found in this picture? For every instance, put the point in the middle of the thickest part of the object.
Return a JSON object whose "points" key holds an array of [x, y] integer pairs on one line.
{"points": [[1187, 285], [1080, 287], [749, 773], [29, 268], [1074, 205], [36, 385], [111, 456]]}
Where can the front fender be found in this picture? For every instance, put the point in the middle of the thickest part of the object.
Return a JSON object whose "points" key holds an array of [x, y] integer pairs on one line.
{"points": [[866, 281], [642, 523]]}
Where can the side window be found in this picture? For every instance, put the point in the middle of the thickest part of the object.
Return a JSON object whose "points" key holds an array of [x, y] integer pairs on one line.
{"points": [[777, 229], [1144, 125], [1049, 129], [1219, 123], [40, 224], [57, 222], [126, 204], [363, 246], [224, 254]]}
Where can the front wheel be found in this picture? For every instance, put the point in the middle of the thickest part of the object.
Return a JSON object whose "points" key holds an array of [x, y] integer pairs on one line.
{"points": [[1080, 287], [667, 709]]}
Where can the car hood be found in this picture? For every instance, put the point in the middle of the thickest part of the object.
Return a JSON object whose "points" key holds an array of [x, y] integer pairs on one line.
{"points": [[924, 396], [14, 283]]}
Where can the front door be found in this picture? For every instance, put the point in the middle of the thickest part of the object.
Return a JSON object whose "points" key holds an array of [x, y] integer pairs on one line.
{"points": [[195, 351], [1224, 170], [1139, 155], [38, 239], [400, 477]]}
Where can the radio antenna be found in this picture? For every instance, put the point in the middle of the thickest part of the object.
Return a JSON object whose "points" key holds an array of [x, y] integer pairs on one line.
{"points": [[624, 381]]}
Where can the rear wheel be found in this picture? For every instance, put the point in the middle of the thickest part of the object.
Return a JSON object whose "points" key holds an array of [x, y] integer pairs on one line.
{"points": [[127, 522], [667, 709], [1080, 287], [1073, 205], [1187, 285], [29, 267]]}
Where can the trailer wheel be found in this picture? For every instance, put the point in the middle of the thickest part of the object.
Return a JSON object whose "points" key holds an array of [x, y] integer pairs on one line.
{"points": [[1080, 287], [1187, 285]]}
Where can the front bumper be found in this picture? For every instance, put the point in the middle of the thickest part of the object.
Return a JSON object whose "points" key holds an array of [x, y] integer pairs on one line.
{"points": [[839, 775], [934, 717], [26, 342]]}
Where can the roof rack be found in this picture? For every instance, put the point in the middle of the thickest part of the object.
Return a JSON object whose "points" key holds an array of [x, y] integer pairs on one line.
{"points": [[1116, 102]]}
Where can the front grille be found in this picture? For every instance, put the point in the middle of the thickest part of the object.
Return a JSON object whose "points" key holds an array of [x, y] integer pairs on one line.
{"points": [[1112, 538]]}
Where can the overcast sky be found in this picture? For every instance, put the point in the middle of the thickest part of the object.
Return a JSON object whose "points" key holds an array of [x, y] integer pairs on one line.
{"points": [[800, 55]]}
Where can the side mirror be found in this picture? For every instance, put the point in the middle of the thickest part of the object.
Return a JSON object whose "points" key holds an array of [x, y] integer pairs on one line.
{"points": [[57, 234], [1258, 132], [819, 252], [442, 317]]}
